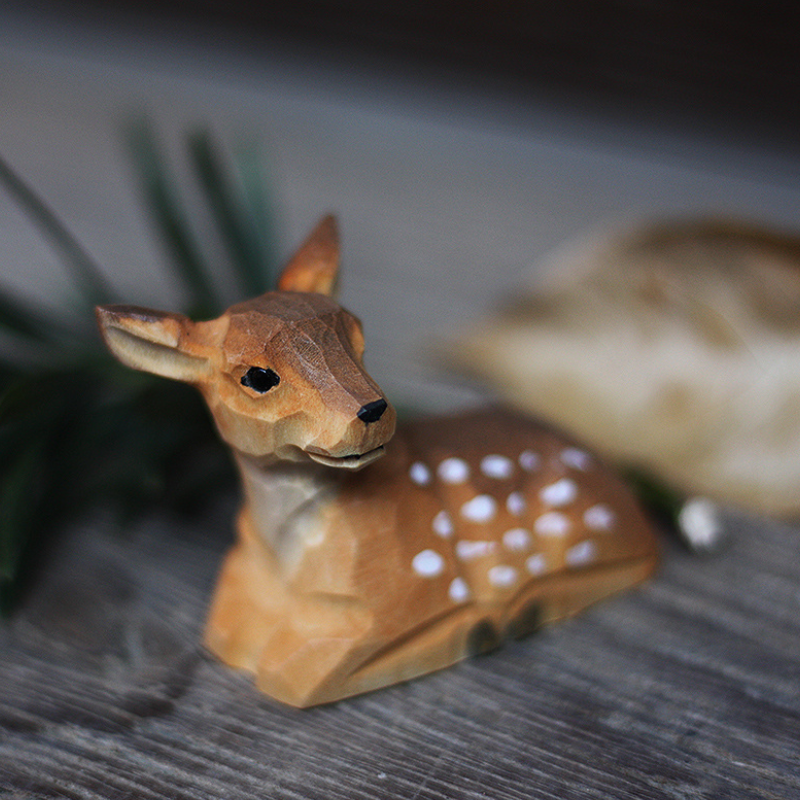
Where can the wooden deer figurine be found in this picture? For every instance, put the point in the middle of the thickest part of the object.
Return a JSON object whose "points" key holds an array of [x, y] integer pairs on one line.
{"points": [[354, 568]]}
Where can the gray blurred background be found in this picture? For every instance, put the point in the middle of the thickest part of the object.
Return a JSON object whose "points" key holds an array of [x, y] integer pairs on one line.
{"points": [[456, 142]]}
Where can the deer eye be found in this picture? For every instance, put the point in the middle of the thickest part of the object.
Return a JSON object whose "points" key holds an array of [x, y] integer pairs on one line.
{"points": [[260, 380]]}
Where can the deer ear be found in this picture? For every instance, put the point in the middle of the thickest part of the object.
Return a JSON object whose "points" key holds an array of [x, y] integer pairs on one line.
{"points": [[152, 341], [315, 266]]}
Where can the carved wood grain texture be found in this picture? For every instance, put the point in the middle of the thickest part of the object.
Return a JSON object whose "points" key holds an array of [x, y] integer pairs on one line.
{"points": [[686, 688]]}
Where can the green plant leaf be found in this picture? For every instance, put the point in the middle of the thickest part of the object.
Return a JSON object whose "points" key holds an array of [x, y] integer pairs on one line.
{"points": [[22, 324], [161, 200], [20, 494], [24, 434], [236, 225], [76, 427], [259, 198], [19, 318], [89, 279]]}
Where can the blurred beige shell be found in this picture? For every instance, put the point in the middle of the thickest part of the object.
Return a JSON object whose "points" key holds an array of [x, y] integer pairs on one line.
{"points": [[673, 347]]}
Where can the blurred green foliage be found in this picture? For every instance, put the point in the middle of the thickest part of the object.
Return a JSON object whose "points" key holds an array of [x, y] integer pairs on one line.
{"points": [[77, 429]]}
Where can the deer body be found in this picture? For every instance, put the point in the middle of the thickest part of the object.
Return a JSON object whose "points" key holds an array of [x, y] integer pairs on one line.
{"points": [[343, 579]]}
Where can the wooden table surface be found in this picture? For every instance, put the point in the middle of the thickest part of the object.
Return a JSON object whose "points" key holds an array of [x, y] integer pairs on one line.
{"points": [[685, 688]]}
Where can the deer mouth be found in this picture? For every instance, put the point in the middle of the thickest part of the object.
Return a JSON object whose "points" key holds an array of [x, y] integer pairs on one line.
{"points": [[346, 462]]}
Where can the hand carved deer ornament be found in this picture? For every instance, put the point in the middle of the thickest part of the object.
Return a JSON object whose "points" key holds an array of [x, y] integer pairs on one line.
{"points": [[343, 580]]}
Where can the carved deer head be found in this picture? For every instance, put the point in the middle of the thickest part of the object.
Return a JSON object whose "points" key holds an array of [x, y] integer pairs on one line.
{"points": [[282, 373]]}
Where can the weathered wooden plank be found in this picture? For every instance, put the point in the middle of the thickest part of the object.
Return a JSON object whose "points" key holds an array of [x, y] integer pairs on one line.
{"points": [[686, 688]]}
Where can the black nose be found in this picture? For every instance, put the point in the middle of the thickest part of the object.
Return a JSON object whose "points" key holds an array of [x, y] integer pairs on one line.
{"points": [[372, 412]]}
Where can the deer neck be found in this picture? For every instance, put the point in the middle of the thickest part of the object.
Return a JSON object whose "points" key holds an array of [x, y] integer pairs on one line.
{"points": [[283, 504]]}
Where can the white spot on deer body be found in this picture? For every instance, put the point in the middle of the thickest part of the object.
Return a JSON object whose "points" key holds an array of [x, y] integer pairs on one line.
{"points": [[466, 550], [536, 564], [579, 459], [459, 591], [581, 554], [428, 564], [516, 539], [516, 504], [442, 525], [453, 470], [599, 517], [419, 474], [495, 466], [529, 461], [560, 493], [552, 523], [502, 576], [481, 508]]}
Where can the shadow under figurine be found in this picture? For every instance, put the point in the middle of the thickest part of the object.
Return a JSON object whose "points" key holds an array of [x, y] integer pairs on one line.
{"points": [[342, 580]]}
